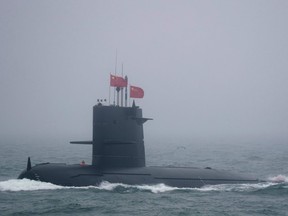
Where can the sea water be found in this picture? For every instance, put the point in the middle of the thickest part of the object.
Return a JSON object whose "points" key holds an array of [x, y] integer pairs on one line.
{"points": [[264, 160]]}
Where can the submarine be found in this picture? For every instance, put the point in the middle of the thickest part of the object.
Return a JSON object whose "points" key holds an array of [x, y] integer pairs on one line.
{"points": [[118, 154]]}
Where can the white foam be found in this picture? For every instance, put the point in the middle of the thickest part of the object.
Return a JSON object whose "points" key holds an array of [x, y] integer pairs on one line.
{"points": [[26, 185], [162, 188], [31, 185], [158, 188], [109, 186], [236, 187], [278, 179]]}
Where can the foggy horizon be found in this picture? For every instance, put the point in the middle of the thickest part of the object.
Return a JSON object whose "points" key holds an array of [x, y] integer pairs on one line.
{"points": [[209, 69]]}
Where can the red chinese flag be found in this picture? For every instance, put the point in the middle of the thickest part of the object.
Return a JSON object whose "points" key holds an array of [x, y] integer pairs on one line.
{"points": [[136, 92], [116, 81]]}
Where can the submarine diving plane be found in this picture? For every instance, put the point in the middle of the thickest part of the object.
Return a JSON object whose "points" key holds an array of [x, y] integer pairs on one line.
{"points": [[118, 153]]}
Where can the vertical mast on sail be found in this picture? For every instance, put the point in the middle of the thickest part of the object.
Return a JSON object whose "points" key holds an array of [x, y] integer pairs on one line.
{"points": [[122, 89]]}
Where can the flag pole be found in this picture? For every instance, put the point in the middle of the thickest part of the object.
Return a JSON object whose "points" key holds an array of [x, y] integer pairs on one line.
{"points": [[118, 89], [122, 89], [109, 89], [129, 95], [126, 96], [115, 74]]}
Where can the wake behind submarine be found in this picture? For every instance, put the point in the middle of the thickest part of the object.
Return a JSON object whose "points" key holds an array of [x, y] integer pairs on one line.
{"points": [[118, 154]]}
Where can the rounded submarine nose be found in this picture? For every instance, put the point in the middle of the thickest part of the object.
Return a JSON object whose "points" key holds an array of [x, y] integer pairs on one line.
{"points": [[22, 174], [28, 175]]}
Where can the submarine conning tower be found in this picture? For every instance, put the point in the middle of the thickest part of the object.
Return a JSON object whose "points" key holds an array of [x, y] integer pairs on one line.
{"points": [[118, 139]]}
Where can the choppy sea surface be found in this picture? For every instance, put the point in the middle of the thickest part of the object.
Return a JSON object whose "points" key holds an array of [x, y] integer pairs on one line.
{"points": [[266, 160]]}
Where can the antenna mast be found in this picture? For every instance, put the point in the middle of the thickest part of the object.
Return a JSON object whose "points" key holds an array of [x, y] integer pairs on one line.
{"points": [[122, 89], [115, 74], [126, 96]]}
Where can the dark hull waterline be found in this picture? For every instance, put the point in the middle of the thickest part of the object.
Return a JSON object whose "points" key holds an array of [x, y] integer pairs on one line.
{"points": [[77, 175]]}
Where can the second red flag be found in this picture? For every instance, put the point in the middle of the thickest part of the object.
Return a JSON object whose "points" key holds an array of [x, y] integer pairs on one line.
{"points": [[136, 92]]}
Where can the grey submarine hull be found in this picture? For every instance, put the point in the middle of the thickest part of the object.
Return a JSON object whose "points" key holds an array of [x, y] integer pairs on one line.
{"points": [[118, 156], [79, 175]]}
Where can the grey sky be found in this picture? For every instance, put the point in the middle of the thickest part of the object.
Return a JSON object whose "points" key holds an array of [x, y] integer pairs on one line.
{"points": [[208, 68]]}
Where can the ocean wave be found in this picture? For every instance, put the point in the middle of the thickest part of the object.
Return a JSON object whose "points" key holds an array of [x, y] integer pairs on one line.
{"points": [[237, 187], [15, 185], [279, 179], [157, 188], [26, 185]]}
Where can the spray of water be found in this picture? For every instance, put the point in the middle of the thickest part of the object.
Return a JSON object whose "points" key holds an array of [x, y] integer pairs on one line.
{"points": [[31, 185]]}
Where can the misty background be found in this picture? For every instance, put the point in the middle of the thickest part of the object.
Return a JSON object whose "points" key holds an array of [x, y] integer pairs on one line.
{"points": [[211, 70]]}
